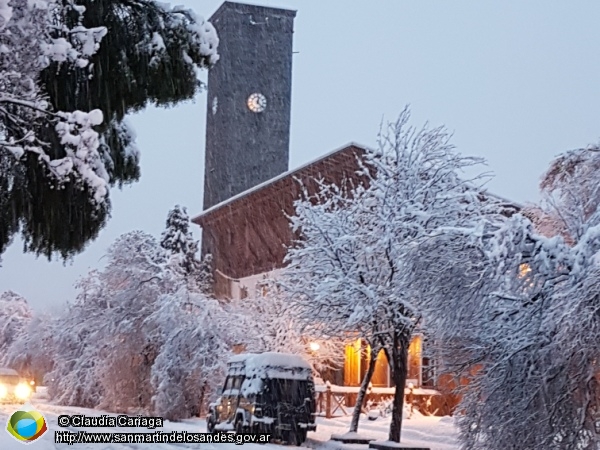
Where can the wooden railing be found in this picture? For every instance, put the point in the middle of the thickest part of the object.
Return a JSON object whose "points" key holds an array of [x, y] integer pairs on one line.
{"points": [[335, 400]]}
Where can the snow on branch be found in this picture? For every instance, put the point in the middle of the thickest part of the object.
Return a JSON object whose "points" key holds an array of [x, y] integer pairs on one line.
{"points": [[28, 43]]}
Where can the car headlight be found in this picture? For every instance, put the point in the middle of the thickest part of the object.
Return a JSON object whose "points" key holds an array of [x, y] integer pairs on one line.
{"points": [[22, 391], [3, 391]]}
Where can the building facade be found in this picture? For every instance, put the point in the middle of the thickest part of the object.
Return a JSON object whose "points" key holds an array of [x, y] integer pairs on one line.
{"points": [[247, 236]]}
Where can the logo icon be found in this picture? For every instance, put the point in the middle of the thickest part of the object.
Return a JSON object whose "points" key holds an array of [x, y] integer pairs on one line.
{"points": [[26, 425]]}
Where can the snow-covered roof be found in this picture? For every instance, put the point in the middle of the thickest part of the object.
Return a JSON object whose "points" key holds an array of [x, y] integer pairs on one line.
{"points": [[503, 199], [5, 371], [292, 172], [264, 184]]}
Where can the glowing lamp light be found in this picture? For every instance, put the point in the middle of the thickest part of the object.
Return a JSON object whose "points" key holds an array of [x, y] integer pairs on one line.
{"points": [[314, 346], [22, 392]]}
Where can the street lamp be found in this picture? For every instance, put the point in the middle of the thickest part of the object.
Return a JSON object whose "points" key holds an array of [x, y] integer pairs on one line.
{"points": [[314, 346]]}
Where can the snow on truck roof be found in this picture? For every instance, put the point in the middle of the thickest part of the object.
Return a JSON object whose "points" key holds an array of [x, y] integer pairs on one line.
{"points": [[271, 359], [270, 365]]}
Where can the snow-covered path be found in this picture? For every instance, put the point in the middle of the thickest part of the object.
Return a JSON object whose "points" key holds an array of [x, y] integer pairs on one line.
{"points": [[51, 413], [433, 432]]}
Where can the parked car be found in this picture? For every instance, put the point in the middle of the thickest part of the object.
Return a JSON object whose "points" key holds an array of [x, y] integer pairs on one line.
{"points": [[270, 393], [12, 387]]}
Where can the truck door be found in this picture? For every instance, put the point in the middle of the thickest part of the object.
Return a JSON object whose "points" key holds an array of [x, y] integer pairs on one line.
{"points": [[226, 400]]}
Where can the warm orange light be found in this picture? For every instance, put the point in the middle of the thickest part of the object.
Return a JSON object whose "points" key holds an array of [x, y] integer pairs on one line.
{"points": [[524, 269]]}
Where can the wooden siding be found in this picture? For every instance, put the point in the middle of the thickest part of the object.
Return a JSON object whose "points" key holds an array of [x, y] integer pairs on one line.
{"points": [[250, 234]]}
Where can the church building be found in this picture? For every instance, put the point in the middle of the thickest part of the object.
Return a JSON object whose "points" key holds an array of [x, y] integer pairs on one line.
{"points": [[248, 186]]}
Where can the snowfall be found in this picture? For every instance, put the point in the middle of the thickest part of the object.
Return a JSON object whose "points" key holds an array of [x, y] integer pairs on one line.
{"points": [[435, 433]]}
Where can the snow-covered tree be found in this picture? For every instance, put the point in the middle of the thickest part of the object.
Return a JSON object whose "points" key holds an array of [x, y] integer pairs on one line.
{"points": [[554, 350], [73, 380], [28, 47], [177, 238], [521, 317], [103, 356], [178, 241], [32, 352], [198, 338], [30, 160], [571, 194], [15, 316], [544, 222], [347, 272], [70, 72], [137, 339], [327, 290]]}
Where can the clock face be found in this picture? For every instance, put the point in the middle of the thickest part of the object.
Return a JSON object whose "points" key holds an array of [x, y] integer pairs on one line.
{"points": [[257, 102]]}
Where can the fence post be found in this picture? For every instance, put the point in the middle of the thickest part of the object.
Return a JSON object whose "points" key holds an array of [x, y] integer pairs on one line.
{"points": [[410, 398], [368, 396], [328, 400]]}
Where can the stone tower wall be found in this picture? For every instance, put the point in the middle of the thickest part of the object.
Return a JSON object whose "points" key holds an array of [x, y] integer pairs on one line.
{"points": [[245, 148]]}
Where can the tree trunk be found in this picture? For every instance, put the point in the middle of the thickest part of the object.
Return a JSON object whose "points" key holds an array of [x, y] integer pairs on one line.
{"points": [[399, 369], [360, 398], [201, 402]]}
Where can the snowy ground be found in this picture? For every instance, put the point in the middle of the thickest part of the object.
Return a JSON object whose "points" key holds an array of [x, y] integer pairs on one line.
{"points": [[433, 432]]}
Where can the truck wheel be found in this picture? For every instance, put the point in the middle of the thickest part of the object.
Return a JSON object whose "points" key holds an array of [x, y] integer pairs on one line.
{"points": [[239, 426], [291, 438], [301, 437], [210, 423]]}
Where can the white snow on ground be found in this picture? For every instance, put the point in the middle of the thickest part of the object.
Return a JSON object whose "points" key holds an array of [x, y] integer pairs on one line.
{"points": [[433, 432]]}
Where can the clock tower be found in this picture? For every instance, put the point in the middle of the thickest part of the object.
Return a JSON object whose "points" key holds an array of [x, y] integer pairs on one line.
{"points": [[249, 100]]}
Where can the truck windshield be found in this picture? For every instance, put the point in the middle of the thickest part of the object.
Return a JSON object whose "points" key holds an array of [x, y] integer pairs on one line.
{"points": [[9, 379]]}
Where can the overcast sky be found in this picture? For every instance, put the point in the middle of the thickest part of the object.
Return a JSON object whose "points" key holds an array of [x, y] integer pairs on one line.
{"points": [[516, 81]]}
